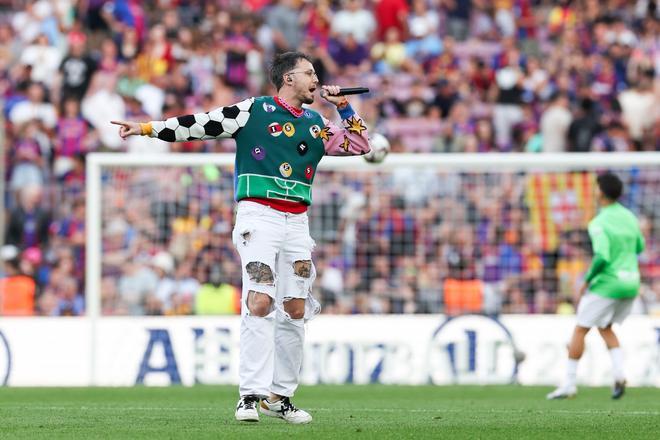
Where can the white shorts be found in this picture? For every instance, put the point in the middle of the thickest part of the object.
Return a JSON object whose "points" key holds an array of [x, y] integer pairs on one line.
{"points": [[599, 311], [263, 235]]}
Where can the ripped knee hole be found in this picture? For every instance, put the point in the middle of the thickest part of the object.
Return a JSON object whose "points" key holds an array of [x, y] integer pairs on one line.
{"points": [[294, 307], [303, 268], [259, 304], [260, 273]]}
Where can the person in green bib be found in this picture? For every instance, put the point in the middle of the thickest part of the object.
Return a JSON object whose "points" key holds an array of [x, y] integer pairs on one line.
{"points": [[610, 285], [279, 144]]}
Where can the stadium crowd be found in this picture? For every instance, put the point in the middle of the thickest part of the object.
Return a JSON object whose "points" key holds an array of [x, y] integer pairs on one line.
{"points": [[446, 76]]}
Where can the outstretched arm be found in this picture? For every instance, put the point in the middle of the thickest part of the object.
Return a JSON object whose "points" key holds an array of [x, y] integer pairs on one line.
{"points": [[351, 139], [223, 122]]}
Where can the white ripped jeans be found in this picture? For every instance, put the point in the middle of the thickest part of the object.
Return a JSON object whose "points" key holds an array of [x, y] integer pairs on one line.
{"points": [[271, 347]]}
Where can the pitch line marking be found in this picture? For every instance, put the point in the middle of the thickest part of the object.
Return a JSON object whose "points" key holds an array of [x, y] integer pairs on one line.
{"points": [[367, 410]]}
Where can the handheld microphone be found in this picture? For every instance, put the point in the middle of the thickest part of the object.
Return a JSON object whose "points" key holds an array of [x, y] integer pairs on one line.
{"points": [[348, 91]]}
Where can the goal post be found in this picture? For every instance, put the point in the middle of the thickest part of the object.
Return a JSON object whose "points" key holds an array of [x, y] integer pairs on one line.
{"points": [[415, 178]]}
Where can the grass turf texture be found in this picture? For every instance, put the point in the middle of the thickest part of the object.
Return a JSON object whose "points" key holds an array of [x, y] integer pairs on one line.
{"points": [[364, 412]]}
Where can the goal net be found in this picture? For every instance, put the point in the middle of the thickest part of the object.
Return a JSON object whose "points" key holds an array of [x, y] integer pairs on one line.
{"points": [[484, 233]]}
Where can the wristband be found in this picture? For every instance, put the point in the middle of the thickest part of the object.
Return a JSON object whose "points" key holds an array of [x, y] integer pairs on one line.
{"points": [[343, 104], [346, 111], [146, 128]]}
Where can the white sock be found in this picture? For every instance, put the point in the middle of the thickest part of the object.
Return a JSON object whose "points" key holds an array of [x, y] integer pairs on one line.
{"points": [[617, 363], [571, 372]]}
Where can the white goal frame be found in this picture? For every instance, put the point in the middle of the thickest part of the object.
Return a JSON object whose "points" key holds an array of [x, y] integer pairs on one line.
{"points": [[487, 162]]}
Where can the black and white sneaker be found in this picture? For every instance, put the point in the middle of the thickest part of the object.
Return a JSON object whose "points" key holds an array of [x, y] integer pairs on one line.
{"points": [[619, 389], [246, 410], [284, 409]]}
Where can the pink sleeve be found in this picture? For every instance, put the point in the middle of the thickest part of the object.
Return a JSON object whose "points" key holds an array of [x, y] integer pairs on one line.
{"points": [[350, 140]]}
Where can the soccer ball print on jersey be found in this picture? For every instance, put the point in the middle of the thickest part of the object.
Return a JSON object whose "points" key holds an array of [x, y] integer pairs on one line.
{"points": [[223, 122]]}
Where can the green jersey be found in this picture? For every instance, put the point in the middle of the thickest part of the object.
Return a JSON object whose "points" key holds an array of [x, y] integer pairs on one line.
{"points": [[616, 240], [277, 153]]}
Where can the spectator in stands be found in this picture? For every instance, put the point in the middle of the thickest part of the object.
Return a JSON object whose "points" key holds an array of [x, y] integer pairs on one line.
{"points": [[118, 243], [458, 14], [562, 17], [537, 81], [137, 286], [555, 122], [128, 44], [429, 293], [318, 19], [349, 54], [76, 69], [111, 303], [514, 301], [70, 230], [102, 104], [60, 294], [70, 303], [35, 108], [485, 135], [650, 295], [507, 111], [238, 45], [43, 60], [504, 17], [445, 97], [165, 293], [614, 138], [28, 160], [185, 289], [390, 55], [584, 127], [390, 14], [216, 297], [17, 291], [28, 222], [353, 19], [638, 104], [120, 15], [108, 57], [156, 59], [403, 300], [283, 20], [32, 264], [460, 127], [423, 25], [74, 134], [9, 48]]}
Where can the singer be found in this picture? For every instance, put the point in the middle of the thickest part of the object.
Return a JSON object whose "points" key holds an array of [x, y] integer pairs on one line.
{"points": [[278, 147]]}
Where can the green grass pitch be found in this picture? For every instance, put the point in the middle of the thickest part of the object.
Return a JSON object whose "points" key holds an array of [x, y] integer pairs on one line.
{"points": [[340, 412]]}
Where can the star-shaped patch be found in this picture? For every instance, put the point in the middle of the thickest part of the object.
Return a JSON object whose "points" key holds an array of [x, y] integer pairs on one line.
{"points": [[355, 125], [325, 133], [345, 144]]}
